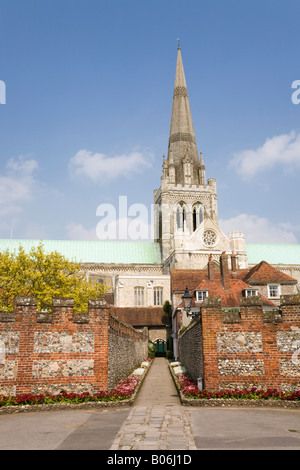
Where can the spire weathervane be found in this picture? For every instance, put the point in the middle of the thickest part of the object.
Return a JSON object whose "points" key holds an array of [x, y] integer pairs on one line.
{"points": [[178, 46]]}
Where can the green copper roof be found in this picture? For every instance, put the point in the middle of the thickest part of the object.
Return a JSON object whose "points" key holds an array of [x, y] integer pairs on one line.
{"points": [[273, 253], [120, 252]]}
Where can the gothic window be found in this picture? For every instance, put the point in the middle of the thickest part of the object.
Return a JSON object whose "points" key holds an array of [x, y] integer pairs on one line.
{"points": [[184, 218], [139, 296], [157, 295], [194, 220], [181, 221], [178, 217], [198, 216]]}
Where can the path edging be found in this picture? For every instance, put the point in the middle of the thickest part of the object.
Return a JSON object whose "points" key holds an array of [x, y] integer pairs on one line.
{"points": [[231, 402]]}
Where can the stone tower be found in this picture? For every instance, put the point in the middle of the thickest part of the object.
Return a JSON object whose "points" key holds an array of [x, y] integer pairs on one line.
{"points": [[185, 205]]}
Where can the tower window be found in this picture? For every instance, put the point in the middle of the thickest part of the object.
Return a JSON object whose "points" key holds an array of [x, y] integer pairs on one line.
{"points": [[178, 217], [194, 220], [198, 216], [181, 216], [184, 219]]}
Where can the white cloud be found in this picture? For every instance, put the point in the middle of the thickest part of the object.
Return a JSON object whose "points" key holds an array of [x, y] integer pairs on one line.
{"points": [[259, 229], [16, 184], [79, 232], [99, 167], [281, 150]]}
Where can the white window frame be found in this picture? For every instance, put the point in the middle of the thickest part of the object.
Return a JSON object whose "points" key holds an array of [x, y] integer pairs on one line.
{"points": [[250, 292], [158, 295], [270, 287], [139, 296], [201, 295]]}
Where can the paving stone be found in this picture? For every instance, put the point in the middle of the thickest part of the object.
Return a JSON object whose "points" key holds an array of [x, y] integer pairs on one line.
{"points": [[157, 420]]}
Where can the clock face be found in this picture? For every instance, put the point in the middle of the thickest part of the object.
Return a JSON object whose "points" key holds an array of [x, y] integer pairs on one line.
{"points": [[209, 238]]}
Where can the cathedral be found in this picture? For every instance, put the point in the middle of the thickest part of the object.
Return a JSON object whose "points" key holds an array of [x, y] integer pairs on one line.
{"points": [[187, 233], [187, 213]]}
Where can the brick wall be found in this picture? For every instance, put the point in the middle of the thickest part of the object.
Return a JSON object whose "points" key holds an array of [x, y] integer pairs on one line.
{"points": [[248, 348], [127, 348], [60, 351], [190, 350]]}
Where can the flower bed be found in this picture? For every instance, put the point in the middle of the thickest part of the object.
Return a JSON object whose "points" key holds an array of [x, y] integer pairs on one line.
{"points": [[190, 390], [123, 391], [190, 393]]}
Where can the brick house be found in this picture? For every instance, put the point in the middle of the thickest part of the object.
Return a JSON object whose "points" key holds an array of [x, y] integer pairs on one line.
{"points": [[225, 281]]}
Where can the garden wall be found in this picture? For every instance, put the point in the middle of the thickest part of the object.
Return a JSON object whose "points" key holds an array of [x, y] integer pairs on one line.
{"points": [[62, 351], [247, 348], [190, 350]]}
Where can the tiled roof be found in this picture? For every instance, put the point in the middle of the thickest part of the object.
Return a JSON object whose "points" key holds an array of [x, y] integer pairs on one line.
{"points": [[120, 252], [140, 316], [180, 278], [229, 297], [264, 273], [199, 280]]}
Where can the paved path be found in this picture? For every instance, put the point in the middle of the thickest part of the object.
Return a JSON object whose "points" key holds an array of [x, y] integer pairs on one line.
{"points": [[157, 420]]}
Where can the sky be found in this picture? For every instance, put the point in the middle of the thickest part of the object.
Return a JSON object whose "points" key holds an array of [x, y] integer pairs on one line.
{"points": [[86, 92]]}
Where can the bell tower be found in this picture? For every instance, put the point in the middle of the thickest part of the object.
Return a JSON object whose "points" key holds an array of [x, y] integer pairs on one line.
{"points": [[185, 205]]}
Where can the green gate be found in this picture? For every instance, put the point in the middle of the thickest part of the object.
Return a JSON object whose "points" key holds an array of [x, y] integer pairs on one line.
{"points": [[160, 348]]}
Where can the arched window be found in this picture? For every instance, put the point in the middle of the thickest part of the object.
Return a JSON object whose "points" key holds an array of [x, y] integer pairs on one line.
{"points": [[178, 218], [198, 216], [181, 216], [184, 218], [194, 219]]}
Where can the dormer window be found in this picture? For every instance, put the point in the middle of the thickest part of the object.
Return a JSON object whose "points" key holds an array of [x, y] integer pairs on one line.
{"points": [[250, 292], [201, 295]]}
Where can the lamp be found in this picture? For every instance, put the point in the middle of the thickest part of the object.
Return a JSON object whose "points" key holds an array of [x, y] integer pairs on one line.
{"points": [[187, 300]]}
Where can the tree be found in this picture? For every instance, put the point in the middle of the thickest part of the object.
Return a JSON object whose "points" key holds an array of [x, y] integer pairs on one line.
{"points": [[44, 276]]}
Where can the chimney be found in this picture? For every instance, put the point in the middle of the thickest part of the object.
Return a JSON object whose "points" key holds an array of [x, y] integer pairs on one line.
{"points": [[234, 263], [224, 270], [211, 269]]}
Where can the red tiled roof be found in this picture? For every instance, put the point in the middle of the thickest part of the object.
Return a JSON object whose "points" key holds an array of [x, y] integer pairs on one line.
{"points": [[237, 282], [180, 278], [229, 297], [140, 316], [264, 273]]}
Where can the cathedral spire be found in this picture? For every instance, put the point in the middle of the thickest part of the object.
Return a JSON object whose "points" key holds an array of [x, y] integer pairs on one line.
{"points": [[182, 140]]}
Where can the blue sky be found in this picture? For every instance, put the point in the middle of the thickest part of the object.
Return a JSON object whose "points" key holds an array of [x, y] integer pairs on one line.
{"points": [[89, 88]]}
